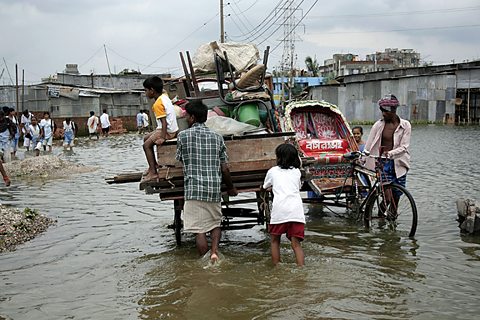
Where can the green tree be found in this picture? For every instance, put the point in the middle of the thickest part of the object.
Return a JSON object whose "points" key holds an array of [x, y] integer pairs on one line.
{"points": [[312, 65]]}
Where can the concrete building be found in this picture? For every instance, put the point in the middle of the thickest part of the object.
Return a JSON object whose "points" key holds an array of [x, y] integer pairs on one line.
{"points": [[400, 58], [445, 93], [76, 103], [347, 64]]}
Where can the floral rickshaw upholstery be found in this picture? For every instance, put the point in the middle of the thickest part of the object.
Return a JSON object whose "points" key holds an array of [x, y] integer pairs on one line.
{"points": [[322, 132]]}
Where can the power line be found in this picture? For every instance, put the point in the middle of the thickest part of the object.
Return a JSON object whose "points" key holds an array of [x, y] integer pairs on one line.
{"points": [[127, 59], [299, 21], [240, 14], [235, 23], [286, 18], [280, 25], [181, 41], [8, 71], [382, 14], [402, 30], [88, 60], [264, 24]]}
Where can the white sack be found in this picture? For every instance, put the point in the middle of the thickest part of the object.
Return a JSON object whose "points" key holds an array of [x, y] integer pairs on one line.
{"points": [[240, 55]]}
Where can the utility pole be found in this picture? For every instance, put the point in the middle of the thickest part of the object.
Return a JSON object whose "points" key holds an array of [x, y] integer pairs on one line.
{"points": [[23, 89], [108, 65], [8, 71], [16, 85], [222, 25]]}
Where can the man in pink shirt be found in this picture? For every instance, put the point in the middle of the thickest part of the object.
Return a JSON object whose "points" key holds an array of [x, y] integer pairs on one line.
{"points": [[390, 136]]}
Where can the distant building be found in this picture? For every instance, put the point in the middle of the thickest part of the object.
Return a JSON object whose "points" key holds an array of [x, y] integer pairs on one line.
{"points": [[443, 93], [400, 58], [349, 64]]}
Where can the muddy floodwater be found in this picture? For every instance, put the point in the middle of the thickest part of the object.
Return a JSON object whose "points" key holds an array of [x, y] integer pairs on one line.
{"points": [[111, 255]]}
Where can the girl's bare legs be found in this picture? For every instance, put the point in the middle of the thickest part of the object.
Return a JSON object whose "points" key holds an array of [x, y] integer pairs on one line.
{"points": [[297, 249], [275, 248]]}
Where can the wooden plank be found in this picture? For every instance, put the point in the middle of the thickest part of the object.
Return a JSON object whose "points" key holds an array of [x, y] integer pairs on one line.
{"points": [[166, 197], [125, 178], [238, 150]]}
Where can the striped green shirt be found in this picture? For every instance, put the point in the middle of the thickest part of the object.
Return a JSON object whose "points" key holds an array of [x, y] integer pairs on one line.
{"points": [[202, 151]]}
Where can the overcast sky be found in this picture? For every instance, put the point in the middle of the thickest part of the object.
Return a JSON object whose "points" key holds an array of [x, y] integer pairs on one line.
{"points": [[41, 36]]}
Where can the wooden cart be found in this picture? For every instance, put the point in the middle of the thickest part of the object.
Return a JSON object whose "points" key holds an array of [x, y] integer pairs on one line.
{"points": [[250, 157]]}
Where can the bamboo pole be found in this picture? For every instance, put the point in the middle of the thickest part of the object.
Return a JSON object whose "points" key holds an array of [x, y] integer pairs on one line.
{"points": [[16, 86], [23, 89]]}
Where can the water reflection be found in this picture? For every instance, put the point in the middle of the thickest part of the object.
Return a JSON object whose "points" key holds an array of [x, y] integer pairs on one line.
{"points": [[381, 264]]}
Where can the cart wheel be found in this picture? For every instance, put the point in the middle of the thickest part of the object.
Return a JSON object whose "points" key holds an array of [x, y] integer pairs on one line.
{"points": [[264, 200]]}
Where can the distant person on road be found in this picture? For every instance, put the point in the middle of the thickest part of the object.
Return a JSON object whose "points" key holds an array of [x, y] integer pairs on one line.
{"points": [[92, 124], [167, 127], [105, 122], [357, 135], [47, 126], [6, 133], [204, 157], [287, 216], [12, 115], [69, 131], [35, 137], [25, 121], [390, 136], [140, 121], [146, 121]]}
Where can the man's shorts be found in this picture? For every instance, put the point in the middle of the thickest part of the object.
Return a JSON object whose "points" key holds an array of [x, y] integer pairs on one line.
{"points": [[105, 130], [292, 229], [156, 136], [389, 175]]}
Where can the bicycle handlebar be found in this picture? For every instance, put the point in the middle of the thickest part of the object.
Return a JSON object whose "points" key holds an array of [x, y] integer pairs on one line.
{"points": [[354, 155]]}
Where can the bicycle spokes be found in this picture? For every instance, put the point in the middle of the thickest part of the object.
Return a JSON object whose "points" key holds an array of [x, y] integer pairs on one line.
{"points": [[393, 206]]}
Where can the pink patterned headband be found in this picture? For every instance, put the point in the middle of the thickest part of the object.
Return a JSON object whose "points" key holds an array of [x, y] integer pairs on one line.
{"points": [[389, 103]]}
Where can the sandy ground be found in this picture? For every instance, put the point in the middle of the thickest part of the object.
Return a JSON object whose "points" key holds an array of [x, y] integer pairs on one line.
{"points": [[48, 166], [18, 226]]}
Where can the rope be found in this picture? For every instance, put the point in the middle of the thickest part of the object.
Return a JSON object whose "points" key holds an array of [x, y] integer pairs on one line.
{"points": [[167, 178]]}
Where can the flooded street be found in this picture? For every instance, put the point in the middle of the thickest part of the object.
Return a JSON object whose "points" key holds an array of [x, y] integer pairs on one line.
{"points": [[111, 255]]}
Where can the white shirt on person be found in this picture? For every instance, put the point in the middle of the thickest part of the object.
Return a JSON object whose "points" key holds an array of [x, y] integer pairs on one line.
{"points": [[287, 203], [105, 120], [145, 120], [25, 121], [34, 131], [47, 126], [92, 124]]}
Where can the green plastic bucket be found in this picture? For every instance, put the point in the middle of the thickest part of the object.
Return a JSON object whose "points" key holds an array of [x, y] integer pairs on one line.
{"points": [[248, 113]]}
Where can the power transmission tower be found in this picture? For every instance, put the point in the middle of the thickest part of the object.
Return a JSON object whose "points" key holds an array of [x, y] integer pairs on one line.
{"points": [[289, 57]]}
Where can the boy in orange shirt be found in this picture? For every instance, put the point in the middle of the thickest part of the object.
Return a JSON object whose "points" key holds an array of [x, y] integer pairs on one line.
{"points": [[167, 127]]}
